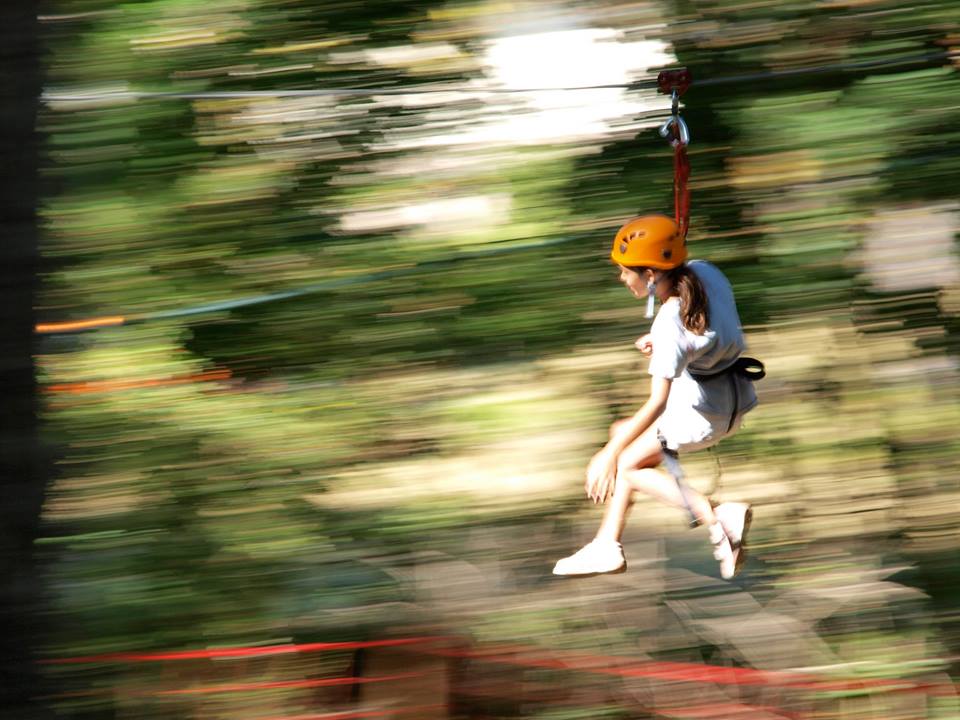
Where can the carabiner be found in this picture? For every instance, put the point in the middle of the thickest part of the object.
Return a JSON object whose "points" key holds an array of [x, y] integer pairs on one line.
{"points": [[682, 134]]}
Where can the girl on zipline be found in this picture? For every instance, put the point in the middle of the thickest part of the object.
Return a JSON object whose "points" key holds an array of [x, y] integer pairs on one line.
{"points": [[699, 391]]}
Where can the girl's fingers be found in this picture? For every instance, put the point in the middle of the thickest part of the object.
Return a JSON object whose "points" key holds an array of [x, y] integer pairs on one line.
{"points": [[608, 488], [599, 486]]}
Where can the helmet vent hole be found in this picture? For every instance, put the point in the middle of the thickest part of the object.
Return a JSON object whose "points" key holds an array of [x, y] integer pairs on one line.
{"points": [[667, 254]]}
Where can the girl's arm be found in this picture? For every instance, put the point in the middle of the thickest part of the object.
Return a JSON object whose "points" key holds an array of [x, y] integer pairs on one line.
{"points": [[643, 418], [645, 345], [602, 471]]}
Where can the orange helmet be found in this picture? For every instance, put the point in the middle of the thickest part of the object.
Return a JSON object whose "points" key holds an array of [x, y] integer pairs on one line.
{"points": [[652, 241]]}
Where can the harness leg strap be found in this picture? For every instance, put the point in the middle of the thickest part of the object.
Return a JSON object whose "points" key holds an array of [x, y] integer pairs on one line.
{"points": [[671, 461]]}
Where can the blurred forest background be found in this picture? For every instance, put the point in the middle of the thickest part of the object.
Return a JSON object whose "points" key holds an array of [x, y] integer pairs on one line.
{"points": [[353, 350]]}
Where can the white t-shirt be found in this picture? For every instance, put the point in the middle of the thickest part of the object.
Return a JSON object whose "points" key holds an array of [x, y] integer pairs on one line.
{"points": [[700, 413]]}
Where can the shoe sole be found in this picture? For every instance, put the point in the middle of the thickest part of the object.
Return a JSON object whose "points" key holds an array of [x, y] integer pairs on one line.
{"points": [[618, 571], [742, 545]]}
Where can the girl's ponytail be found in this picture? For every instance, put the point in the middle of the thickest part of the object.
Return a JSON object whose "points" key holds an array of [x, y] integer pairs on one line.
{"points": [[694, 312]]}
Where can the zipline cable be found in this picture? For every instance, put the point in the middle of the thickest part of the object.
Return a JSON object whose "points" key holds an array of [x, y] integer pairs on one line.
{"points": [[318, 92], [70, 326], [646, 83]]}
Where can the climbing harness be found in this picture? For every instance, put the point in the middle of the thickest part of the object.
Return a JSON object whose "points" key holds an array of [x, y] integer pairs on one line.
{"points": [[746, 367], [675, 130]]}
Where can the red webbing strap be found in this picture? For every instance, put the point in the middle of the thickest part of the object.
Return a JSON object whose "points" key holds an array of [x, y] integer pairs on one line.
{"points": [[676, 82], [681, 189]]}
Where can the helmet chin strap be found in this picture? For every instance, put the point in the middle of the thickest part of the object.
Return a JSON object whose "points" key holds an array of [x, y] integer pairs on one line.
{"points": [[651, 296], [652, 293]]}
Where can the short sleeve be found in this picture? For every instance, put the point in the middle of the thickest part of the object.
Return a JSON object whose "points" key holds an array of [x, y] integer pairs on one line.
{"points": [[669, 357]]}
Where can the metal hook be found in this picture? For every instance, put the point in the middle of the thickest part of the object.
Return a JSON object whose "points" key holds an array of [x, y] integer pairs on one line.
{"points": [[682, 134]]}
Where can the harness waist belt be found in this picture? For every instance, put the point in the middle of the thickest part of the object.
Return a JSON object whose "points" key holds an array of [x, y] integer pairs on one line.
{"points": [[748, 367]]}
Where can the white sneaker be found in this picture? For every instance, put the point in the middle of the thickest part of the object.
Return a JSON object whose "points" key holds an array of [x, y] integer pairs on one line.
{"points": [[724, 552], [594, 558], [736, 518]]}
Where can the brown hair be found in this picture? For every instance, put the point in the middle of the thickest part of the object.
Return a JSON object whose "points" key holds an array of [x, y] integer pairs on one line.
{"points": [[694, 309]]}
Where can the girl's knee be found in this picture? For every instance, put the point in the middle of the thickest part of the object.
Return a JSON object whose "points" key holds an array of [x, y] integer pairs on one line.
{"points": [[649, 481], [638, 457], [634, 463]]}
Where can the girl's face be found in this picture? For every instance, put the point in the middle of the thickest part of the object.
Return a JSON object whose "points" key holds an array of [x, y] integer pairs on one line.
{"points": [[633, 281], [636, 283]]}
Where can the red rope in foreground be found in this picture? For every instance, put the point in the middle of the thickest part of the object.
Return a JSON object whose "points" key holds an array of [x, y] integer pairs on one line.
{"points": [[533, 657], [285, 684], [687, 672], [237, 652], [351, 714]]}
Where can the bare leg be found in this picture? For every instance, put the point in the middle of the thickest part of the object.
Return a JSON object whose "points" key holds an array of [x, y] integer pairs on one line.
{"points": [[638, 472], [615, 514]]}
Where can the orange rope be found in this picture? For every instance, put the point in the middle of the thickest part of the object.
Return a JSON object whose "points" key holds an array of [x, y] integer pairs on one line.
{"points": [[68, 326], [94, 386]]}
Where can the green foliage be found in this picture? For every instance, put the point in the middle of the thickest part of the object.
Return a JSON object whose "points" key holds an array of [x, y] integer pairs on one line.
{"points": [[283, 471]]}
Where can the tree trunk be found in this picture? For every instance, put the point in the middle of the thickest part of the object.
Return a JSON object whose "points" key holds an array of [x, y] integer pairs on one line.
{"points": [[22, 470]]}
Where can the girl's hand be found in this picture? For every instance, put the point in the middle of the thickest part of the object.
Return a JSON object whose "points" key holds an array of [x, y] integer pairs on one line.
{"points": [[645, 345], [601, 476]]}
